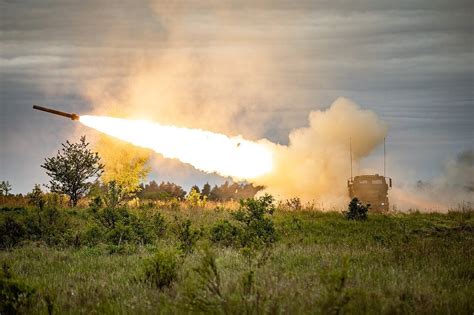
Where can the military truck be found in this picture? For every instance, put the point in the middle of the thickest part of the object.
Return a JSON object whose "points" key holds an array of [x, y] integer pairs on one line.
{"points": [[371, 189]]}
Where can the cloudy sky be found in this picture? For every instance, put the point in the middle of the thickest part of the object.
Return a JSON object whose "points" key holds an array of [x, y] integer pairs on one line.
{"points": [[265, 64]]}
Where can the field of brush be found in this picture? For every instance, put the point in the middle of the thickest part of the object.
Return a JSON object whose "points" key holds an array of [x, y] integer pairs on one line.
{"points": [[183, 259]]}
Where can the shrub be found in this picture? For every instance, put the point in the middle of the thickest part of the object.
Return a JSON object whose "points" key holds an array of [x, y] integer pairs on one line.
{"points": [[187, 237], [207, 294], [195, 200], [158, 224], [160, 271], [92, 235], [11, 233], [258, 229], [356, 211], [225, 233], [255, 229]]}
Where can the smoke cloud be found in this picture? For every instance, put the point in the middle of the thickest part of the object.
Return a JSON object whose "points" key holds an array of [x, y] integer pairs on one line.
{"points": [[316, 162], [452, 189]]}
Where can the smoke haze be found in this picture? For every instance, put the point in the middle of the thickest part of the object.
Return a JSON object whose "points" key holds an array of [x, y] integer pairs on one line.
{"points": [[452, 189], [316, 162]]}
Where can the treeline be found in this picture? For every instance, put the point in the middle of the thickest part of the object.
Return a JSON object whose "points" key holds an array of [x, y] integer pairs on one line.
{"points": [[225, 192]]}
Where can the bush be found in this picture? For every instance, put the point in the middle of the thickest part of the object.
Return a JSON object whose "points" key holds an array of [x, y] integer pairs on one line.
{"points": [[225, 234], [195, 200], [11, 233], [356, 211], [258, 229], [158, 225], [92, 235], [160, 271], [255, 229], [186, 236]]}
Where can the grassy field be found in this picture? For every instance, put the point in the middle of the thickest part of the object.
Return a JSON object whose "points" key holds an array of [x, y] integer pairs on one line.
{"points": [[76, 261]]}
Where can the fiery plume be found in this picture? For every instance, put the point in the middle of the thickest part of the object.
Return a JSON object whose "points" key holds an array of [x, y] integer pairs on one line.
{"points": [[206, 151]]}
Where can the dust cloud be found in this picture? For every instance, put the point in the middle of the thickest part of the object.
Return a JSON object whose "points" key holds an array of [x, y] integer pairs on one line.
{"points": [[316, 162]]}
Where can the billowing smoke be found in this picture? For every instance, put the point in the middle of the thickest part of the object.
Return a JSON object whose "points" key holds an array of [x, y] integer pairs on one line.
{"points": [[452, 189], [217, 69], [316, 163], [233, 84]]}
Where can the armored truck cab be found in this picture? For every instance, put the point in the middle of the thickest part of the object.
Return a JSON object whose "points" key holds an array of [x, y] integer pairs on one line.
{"points": [[371, 189]]}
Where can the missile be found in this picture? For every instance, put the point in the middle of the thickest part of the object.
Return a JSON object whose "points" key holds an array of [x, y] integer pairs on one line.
{"points": [[57, 112]]}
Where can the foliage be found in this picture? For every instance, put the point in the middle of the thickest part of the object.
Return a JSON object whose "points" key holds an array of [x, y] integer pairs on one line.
{"points": [[163, 191], [11, 233], [225, 233], [114, 194], [187, 237], [5, 188], [125, 166], [209, 294], [402, 263], [356, 211], [15, 296], [195, 200], [254, 229], [72, 168], [37, 198], [160, 270], [258, 229], [233, 191], [206, 190]]}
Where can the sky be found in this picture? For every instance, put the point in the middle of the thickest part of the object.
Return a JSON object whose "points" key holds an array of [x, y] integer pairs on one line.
{"points": [[255, 68]]}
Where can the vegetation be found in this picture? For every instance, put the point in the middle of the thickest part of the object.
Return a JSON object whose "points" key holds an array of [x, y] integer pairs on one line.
{"points": [[356, 210], [250, 257], [5, 188], [72, 168], [125, 167]]}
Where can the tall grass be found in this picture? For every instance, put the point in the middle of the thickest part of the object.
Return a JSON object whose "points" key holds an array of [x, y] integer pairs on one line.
{"points": [[321, 263]]}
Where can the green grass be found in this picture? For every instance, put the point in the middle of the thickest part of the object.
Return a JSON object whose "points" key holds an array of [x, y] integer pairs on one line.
{"points": [[322, 263]]}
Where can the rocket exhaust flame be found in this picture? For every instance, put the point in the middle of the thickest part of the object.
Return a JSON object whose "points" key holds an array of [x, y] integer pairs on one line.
{"points": [[206, 151]]}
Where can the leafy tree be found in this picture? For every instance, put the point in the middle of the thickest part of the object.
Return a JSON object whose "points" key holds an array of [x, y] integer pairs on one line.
{"points": [[195, 200], [125, 166], [206, 190], [5, 188], [36, 197], [196, 189], [72, 169], [233, 191], [163, 191]]}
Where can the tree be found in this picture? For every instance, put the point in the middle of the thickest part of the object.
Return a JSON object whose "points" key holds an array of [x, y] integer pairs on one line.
{"points": [[206, 190], [36, 197], [5, 188], [125, 166], [72, 169], [196, 188], [163, 191]]}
